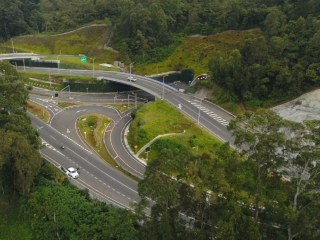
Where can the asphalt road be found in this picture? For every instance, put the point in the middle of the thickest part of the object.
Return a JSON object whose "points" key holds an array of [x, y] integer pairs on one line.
{"points": [[97, 175], [212, 118], [94, 173]]}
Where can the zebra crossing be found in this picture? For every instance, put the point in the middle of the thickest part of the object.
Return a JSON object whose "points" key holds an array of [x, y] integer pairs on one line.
{"points": [[49, 146], [210, 113]]}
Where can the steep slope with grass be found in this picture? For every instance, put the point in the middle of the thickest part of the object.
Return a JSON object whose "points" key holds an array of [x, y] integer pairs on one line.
{"points": [[87, 40], [196, 51]]}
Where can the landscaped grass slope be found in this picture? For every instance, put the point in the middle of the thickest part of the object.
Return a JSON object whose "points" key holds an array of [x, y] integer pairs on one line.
{"points": [[196, 51], [160, 118], [87, 40]]}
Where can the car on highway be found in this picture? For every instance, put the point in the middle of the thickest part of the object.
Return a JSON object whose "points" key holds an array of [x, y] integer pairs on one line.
{"points": [[202, 77], [72, 172], [131, 78]]}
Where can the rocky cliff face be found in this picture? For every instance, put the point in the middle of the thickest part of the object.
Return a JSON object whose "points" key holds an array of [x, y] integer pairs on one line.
{"points": [[305, 107]]}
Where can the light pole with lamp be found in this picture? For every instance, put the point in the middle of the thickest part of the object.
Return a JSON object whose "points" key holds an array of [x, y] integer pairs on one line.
{"points": [[199, 111], [130, 68], [49, 78], [163, 86], [12, 45], [93, 67], [58, 63], [128, 101]]}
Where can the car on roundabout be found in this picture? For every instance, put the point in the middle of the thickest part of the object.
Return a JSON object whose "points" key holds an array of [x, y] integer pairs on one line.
{"points": [[131, 78]]}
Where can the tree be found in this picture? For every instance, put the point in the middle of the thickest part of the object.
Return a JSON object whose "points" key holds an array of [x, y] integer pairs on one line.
{"points": [[274, 23], [162, 188], [302, 170], [258, 137]]}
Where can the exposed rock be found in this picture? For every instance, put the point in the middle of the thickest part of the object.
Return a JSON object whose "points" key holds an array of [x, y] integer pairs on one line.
{"points": [[305, 107]]}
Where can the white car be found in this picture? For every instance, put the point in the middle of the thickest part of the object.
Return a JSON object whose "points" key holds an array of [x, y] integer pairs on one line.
{"points": [[72, 172], [133, 79]]}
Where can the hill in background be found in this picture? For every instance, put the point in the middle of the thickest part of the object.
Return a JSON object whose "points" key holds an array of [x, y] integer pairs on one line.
{"points": [[196, 51], [88, 40]]}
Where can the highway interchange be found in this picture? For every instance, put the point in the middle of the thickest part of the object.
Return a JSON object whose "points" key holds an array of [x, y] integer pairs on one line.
{"points": [[104, 181]]}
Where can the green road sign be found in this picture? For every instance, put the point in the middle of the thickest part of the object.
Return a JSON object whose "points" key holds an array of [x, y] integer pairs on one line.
{"points": [[84, 59]]}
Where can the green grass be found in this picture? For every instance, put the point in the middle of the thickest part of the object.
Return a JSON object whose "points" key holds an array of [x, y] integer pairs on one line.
{"points": [[195, 52], [94, 125], [160, 118], [43, 85], [88, 41], [38, 111], [56, 78], [94, 136], [75, 63], [66, 104], [80, 41], [12, 226]]}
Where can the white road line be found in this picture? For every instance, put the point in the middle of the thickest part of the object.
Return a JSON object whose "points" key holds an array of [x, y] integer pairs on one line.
{"points": [[53, 137]]}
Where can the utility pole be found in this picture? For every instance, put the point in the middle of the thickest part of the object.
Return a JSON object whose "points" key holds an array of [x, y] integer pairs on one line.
{"points": [[163, 86], [12, 45], [199, 111]]}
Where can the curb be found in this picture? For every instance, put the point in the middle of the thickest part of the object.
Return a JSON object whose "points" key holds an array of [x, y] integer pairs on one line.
{"points": [[128, 147]]}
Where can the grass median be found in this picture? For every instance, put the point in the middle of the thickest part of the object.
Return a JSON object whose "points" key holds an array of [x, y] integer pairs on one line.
{"points": [[38, 111], [92, 128]]}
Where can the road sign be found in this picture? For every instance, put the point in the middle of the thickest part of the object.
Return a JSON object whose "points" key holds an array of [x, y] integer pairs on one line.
{"points": [[147, 149], [83, 59]]}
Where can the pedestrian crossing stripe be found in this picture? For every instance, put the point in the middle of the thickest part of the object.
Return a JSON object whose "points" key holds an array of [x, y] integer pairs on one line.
{"points": [[211, 114]]}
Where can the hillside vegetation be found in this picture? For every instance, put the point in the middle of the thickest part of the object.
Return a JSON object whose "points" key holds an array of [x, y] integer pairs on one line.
{"points": [[87, 40], [196, 51]]}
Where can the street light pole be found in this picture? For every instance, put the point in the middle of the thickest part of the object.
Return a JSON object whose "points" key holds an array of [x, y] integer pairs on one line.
{"points": [[12, 45], [58, 63], [135, 98], [199, 111], [128, 100], [93, 68], [49, 78], [163, 86]]}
